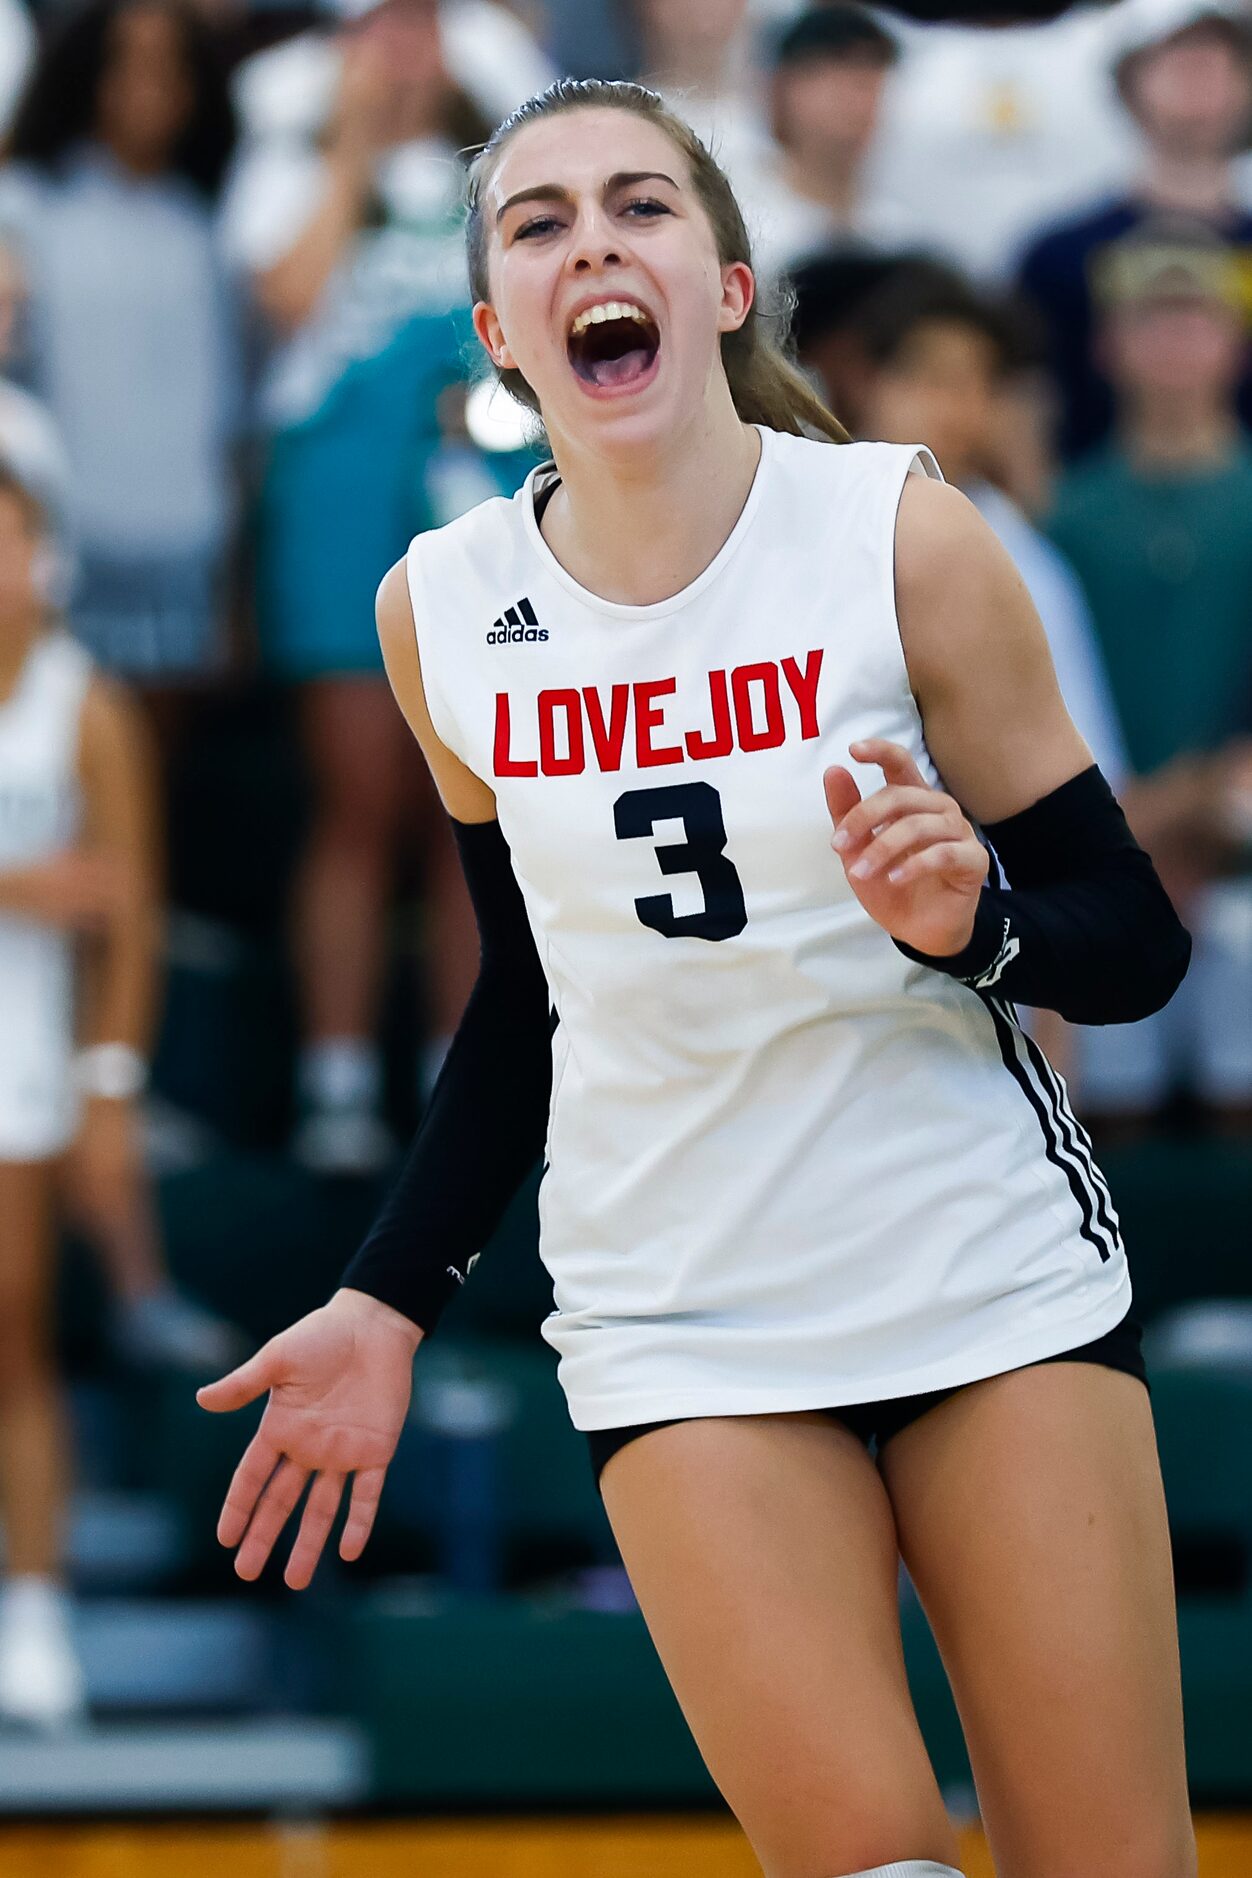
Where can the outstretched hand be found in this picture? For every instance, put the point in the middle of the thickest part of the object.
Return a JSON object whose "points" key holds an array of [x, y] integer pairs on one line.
{"points": [[910, 856], [339, 1383]]}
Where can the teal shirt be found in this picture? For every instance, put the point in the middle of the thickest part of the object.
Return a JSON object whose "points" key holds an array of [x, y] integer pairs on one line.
{"points": [[1166, 563]]}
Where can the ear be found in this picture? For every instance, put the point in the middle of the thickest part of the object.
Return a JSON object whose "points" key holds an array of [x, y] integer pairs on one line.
{"points": [[489, 331], [738, 294]]}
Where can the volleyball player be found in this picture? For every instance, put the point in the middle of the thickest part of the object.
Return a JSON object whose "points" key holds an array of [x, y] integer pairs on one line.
{"points": [[836, 1278], [77, 990]]}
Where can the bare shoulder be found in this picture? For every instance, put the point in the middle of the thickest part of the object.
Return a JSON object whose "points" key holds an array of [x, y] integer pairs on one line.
{"points": [[464, 794], [978, 659]]}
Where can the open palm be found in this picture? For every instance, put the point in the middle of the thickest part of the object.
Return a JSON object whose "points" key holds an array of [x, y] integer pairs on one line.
{"points": [[340, 1382]]}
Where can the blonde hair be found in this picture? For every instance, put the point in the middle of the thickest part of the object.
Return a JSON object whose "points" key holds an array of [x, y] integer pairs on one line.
{"points": [[764, 384]]}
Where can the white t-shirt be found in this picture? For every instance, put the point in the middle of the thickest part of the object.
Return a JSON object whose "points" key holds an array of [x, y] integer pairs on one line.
{"points": [[788, 1167], [40, 813], [989, 134]]}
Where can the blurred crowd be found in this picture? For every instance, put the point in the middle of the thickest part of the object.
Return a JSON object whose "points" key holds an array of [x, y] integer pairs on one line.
{"points": [[238, 375]]}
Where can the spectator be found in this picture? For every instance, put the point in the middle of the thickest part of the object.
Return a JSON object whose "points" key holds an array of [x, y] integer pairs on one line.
{"points": [[828, 292], [1183, 72], [354, 246], [940, 356], [988, 132], [30, 442], [829, 70], [286, 94], [77, 894], [1159, 527], [120, 145]]}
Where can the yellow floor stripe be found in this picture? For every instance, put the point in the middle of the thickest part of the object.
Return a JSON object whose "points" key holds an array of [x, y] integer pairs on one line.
{"points": [[601, 1848]]}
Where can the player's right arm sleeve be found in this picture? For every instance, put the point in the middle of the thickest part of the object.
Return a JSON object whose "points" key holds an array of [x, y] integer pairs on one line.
{"points": [[486, 1123]]}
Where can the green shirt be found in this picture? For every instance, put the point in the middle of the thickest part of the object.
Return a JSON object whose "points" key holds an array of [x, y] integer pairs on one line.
{"points": [[1166, 562]]}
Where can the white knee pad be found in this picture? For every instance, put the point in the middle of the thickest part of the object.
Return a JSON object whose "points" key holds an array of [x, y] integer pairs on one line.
{"points": [[909, 1868]]}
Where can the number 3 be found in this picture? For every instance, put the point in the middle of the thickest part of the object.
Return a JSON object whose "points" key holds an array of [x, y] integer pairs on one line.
{"points": [[699, 807]]}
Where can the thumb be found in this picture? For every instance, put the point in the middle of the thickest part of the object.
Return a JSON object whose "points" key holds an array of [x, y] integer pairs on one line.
{"points": [[842, 793], [242, 1385]]}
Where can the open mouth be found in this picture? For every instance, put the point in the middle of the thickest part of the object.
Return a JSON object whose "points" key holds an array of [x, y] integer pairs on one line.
{"points": [[613, 346]]}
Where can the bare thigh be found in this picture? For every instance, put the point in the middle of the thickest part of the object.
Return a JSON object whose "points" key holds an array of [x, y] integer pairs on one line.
{"points": [[1031, 1517], [27, 1262], [763, 1553]]}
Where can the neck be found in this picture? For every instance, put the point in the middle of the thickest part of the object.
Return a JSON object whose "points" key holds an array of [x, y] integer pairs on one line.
{"points": [[833, 181], [682, 500], [1188, 185], [1166, 434], [16, 639], [137, 162]]}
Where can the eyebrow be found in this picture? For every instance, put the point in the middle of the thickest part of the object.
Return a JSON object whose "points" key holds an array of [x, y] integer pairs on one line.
{"points": [[556, 192]]}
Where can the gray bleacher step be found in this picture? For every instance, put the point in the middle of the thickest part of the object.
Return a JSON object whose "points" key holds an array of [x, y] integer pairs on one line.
{"points": [[181, 1654], [122, 1767], [122, 1541]]}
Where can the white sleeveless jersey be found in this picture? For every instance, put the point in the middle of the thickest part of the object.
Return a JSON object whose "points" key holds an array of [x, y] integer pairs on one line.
{"points": [[40, 812], [788, 1168]]}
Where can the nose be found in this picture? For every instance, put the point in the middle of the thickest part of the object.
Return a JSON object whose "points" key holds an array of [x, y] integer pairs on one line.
{"points": [[596, 243]]}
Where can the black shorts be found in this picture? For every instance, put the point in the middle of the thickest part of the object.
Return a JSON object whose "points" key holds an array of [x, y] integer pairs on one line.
{"points": [[1118, 1348]]}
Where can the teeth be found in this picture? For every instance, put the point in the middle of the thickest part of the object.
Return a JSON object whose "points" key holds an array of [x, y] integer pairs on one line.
{"points": [[608, 310]]}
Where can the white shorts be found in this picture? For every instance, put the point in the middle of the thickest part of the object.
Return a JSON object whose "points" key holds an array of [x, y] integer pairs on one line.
{"points": [[1201, 1042]]}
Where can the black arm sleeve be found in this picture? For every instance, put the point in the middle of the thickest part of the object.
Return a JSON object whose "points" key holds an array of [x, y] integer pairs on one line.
{"points": [[485, 1125], [1086, 927]]}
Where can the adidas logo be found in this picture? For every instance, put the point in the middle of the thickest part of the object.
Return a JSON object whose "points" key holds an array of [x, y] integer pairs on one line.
{"points": [[515, 625]]}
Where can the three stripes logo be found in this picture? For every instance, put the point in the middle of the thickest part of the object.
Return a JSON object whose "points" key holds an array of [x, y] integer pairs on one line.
{"points": [[515, 625]]}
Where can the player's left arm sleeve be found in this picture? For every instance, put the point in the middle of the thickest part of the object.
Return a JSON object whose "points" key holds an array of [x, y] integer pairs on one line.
{"points": [[1086, 928]]}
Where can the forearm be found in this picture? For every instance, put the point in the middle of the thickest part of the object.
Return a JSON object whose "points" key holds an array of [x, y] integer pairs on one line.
{"points": [[291, 288], [1086, 928], [120, 983], [485, 1127], [19, 891]]}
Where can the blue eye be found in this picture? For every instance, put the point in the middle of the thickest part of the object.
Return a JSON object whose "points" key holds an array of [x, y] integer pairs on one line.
{"points": [[648, 206]]}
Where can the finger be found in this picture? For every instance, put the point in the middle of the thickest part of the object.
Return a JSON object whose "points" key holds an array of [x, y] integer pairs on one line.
{"points": [[892, 759], [842, 793], [891, 844], [962, 862], [260, 1458], [277, 1504], [367, 1490], [887, 805], [319, 1517], [242, 1385]]}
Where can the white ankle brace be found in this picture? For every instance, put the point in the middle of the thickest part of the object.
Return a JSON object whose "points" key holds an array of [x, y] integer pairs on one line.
{"points": [[909, 1868]]}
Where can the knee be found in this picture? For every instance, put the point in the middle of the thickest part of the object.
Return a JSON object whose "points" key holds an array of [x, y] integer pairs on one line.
{"points": [[883, 1838]]}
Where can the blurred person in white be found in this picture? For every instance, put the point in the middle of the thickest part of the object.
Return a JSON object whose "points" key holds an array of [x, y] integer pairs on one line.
{"points": [[286, 96], [829, 70], [1183, 70], [79, 936], [1158, 526], [119, 147], [989, 131], [353, 244]]}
